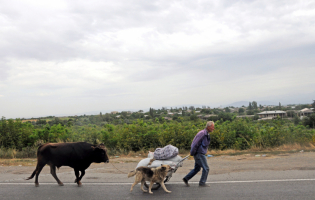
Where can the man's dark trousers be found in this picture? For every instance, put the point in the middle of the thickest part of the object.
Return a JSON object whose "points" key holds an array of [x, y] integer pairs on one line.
{"points": [[200, 162]]}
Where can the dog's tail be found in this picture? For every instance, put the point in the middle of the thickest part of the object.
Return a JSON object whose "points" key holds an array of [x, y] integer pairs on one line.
{"points": [[132, 173]]}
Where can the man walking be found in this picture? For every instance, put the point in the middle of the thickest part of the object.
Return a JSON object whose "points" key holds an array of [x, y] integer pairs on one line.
{"points": [[199, 148]]}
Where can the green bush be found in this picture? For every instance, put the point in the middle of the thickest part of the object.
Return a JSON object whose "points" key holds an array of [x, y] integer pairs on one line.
{"points": [[19, 139]]}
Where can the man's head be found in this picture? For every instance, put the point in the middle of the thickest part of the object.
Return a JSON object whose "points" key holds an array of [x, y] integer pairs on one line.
{"points": [[210, 126]]}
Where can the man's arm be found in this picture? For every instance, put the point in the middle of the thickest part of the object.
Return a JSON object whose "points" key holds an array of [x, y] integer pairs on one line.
{"points": [[196, 143]]}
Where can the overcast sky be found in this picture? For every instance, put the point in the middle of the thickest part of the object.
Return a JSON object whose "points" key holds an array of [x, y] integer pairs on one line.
{"points": [[70, 57]]}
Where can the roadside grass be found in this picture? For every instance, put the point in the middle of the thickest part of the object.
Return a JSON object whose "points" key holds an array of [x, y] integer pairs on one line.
{"points": [[286, 148], [18, 162]]}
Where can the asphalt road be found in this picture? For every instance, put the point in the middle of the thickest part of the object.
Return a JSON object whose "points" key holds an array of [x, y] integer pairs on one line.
{"points": [[253, 189], [285, 176]]}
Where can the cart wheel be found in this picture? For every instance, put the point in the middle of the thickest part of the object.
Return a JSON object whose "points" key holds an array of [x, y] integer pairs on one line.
{"points": [[154, 187]]}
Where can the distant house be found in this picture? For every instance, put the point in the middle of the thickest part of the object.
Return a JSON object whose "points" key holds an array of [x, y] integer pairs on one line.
{"points": [[114, 112], [305, 112], [236, 109], [271, 114], [118, 116]]}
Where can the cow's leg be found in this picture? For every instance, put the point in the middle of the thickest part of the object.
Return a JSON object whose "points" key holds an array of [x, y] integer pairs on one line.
{"points": [[39, 168], [82, 174], [76, 173], [53, 173], [77, 180]]}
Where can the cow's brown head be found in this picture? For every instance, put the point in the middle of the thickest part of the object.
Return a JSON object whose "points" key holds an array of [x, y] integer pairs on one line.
{"points": [[100, 153]]}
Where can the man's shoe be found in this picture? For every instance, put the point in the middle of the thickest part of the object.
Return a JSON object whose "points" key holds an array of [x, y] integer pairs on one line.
{"points": [[204, 185], [186, 182]]}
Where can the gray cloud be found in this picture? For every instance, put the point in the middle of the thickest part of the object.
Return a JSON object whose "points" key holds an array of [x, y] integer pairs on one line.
{"points": [[136, 54]]}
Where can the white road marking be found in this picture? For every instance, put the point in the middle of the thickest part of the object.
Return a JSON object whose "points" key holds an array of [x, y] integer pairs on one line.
{"points": [[170, 183]]}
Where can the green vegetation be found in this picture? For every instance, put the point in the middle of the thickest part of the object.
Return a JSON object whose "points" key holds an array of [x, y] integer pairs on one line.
{"points": [[230, 133], [126, 131]]}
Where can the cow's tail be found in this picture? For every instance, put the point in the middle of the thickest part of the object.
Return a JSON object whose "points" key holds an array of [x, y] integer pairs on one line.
{"points": [[34, 172], [132, 173]]}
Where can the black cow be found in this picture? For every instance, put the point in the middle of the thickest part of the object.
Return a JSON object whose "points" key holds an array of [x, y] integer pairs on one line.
{"points": [[78, 155]]}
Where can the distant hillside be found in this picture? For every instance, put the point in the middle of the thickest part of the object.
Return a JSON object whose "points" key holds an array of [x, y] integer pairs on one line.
{"points": [[245, 103]]}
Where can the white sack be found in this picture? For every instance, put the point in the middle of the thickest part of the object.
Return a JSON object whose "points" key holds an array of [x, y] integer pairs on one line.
{"points": [[165, 153], [172, 162]]}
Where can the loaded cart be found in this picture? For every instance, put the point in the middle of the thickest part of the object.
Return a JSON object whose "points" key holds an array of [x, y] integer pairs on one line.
{"points": [[166, 156], [169, 174]]}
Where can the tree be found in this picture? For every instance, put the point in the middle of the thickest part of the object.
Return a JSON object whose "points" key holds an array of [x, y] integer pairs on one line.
{"points": [[193, 117], [241, 110], [41, 122], [296, 120], [161, 119], [250, 112], [291, 113], [256, 117], [151, 112], [279, 106], [254, 104], [250, 106], [309, 121], [124, 114], [227, 109], [225, 116], [206, 111]]}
